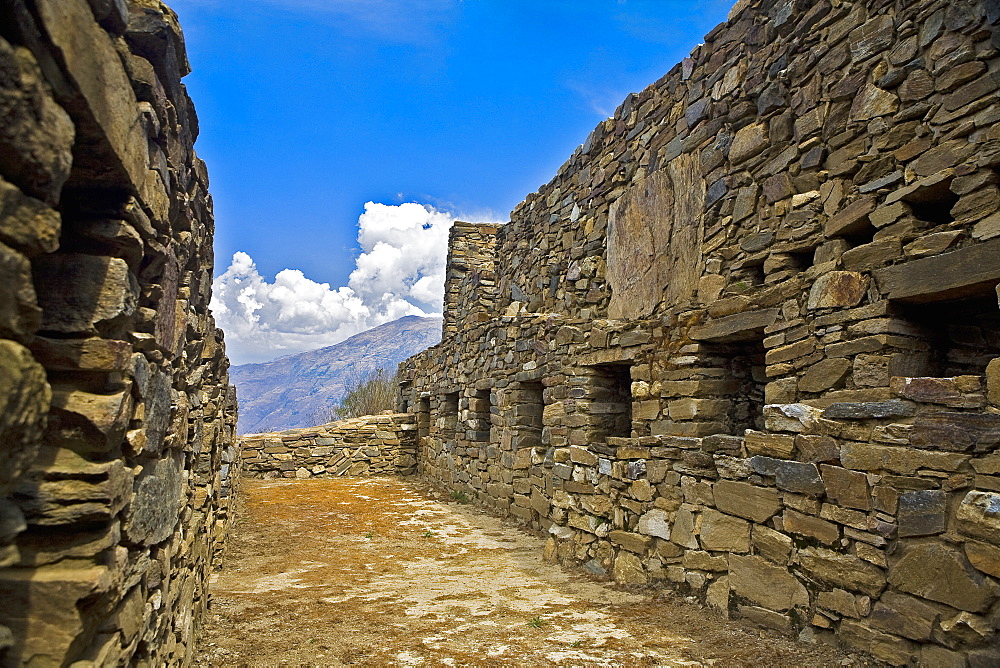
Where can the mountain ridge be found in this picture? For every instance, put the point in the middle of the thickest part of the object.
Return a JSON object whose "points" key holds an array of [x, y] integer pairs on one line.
{"points": [[301, 390]]}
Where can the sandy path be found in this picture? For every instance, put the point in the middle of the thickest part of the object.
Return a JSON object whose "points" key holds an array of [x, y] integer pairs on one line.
{"points": [[388, 572]]}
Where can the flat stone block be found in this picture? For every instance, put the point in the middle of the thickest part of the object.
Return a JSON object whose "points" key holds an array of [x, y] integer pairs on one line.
{"points": [[922, 513], [736, 327], [770, 586], [964, 272], [939, 573], [745, 500]]}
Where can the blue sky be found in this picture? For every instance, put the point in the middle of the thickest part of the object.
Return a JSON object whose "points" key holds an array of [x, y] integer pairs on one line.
{"points": [[309, 109]]}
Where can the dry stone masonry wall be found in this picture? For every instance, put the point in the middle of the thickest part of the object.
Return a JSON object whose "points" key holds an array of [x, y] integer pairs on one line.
{"points": [[116, 415], [373, 445], [746, 343]]}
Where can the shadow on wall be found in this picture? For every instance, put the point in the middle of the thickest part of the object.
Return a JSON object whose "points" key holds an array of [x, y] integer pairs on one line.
{"points": [[118, 417]]}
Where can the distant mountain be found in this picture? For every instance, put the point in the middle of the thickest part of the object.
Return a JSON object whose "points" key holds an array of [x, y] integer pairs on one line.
{"points": [[300, 390]]}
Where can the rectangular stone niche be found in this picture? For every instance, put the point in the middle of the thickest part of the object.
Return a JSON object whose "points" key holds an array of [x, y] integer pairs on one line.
{"points": [[611, 401], [477, 422], [962, 336], [423, 417], [449, 415], [735, 401], [527, 407]]}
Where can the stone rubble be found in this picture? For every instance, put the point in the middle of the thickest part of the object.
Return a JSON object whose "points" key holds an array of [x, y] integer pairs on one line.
{"points": [[746, 343], [116, 415]]}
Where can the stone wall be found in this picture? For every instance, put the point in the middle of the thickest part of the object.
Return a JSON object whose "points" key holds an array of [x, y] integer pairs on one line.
{"points": [[116, 415], [372, 445], [745, 343]]}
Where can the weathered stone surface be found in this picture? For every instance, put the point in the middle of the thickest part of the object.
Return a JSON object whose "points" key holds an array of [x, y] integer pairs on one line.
{"points": [[865, 410], [724, 533], [870, 457], [848, 488], [935, 655], [776, 445], [36, 136], [890, 648], [704, 561], [905, 616], [842, 570], [19, 313], [103, 204], [872, 171], [824, 375], [81, 311], [993, 381], [872, 102], [639, 261], [979, 515], [735, 327], [945, 276], [73, 490], [154, 510], [93, 354], [790, 417], [89, 422], [932, 244], [768, 618], [24, 403], [929, 390], [844, 603], [391, 442], [957, 432], [922, 513], [870, 256], [158, 400], [838, 289], [748, 142], [765, 584], [628, 570], [851, 218], [683, 531], [984, 557], [103, 100], [26, 223], [44, 626], [717, 596], [770, 544], [813, 527], [939, 573], [813, 448], [871, 38], [655, 523], [631, 541], [745, 500], [789, 475]]}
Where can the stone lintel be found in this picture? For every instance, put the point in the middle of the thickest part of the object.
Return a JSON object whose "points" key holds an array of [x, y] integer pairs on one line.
{"points": [[969, 271], [610, 356], [735, 327]]}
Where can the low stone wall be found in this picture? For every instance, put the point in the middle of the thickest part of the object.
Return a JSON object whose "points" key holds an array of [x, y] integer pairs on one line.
{"points": [[365, 446]]}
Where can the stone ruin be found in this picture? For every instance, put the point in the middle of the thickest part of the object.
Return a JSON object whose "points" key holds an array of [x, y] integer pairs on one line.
{"points": [[746, 343], [116, 414]]}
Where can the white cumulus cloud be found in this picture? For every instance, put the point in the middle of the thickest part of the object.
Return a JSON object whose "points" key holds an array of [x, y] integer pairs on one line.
{"points": [[399, 272]]}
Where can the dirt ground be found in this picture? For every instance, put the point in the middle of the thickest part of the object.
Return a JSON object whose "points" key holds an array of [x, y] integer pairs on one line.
{"points": [[389, 572]]}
